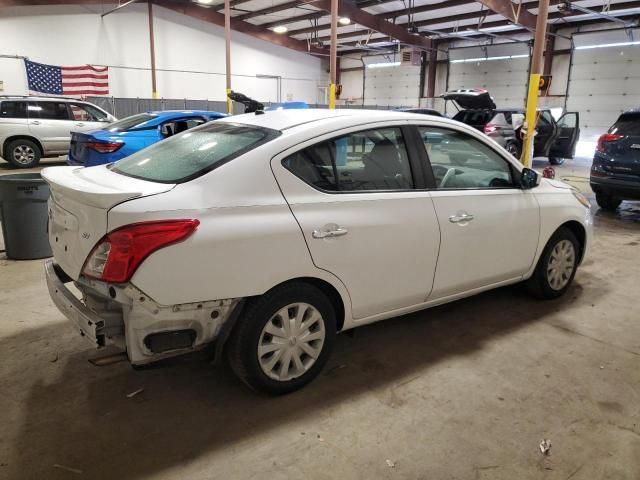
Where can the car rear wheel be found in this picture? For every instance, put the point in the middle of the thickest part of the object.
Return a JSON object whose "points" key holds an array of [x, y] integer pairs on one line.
{"points": [[283, 339], [22, 153], [556, 267], [556, 160], [607, 202]]}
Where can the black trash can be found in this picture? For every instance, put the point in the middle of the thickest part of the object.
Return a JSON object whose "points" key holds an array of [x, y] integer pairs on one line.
{"points": [[23, 213]]}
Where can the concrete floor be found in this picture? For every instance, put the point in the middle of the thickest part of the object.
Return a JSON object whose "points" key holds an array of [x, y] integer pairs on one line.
{"points": [[463, 391]]}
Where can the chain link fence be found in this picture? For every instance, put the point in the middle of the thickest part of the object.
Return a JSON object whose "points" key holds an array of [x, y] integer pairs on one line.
{"points": [[124, 107]]}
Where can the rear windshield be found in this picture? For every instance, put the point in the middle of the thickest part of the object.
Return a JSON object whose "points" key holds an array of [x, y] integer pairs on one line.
{"points": [[130, 122], [473, 117], [627, 124], [193, 153]]}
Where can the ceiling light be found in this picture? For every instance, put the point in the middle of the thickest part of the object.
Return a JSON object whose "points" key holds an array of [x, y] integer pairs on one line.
{"points": [[205, 2], [280, 29], [344, 20]]}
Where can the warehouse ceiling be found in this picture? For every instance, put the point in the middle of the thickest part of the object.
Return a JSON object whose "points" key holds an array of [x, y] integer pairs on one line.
{"points": [[304, 25]]}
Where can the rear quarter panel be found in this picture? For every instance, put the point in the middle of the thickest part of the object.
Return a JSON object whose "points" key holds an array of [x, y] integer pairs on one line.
{"points": [[247, 242]]}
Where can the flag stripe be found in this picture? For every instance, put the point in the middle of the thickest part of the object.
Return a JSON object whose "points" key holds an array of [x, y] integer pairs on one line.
{"points": [[86, 67], [85, 75], [66, 85]]}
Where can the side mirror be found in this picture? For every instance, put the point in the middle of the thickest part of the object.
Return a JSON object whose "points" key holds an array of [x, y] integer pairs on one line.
{"points": [[529, 179]]}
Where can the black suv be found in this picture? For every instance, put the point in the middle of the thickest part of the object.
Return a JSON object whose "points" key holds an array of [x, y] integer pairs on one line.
{"points": [[554, 140], [615, 172]]}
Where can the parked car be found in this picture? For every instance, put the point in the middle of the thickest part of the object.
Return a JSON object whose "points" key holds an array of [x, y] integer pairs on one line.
{"points": [[615, 172], [126, 136], [281, 229], [555, 140], [422, 111], [36, 127]]}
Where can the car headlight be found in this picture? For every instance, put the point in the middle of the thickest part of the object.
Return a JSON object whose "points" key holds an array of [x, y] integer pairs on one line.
{"points": [[581, 198]]}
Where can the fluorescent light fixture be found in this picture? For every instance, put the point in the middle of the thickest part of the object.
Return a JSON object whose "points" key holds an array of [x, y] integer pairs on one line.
{"points": [[280, 29], [344, 20], [487, 59], [205, 2], [608, 45], [383, 65]]}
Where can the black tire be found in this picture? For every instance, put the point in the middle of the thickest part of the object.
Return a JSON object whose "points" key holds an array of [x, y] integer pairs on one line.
{"points": [[607, 202], [539, 284], [22, 153], [242, 347], [513, 149], [556, 160]]}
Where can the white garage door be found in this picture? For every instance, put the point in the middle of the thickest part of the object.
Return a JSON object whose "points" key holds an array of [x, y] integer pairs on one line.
{"points": [[501, 69], [396, 86], [604, 80]]}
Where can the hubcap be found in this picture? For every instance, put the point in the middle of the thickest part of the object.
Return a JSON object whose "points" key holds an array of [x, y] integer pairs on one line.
{"points": [[23, 154], [291, 341], [561, 264]]}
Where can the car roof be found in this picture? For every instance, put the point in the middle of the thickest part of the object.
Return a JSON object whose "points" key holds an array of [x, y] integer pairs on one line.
{"points": [[286, 119], [164, 114], [40, 98]]}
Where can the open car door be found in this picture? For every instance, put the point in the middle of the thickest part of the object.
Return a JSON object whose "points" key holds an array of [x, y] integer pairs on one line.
{"points": [[564, 145]]}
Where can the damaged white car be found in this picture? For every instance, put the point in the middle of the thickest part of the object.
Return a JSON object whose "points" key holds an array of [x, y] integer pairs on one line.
{"points": [[268, 233]]}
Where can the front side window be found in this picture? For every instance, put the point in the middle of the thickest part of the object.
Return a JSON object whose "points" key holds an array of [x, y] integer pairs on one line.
{"points": [[461, 161], [13, 110], [86, 113], [184, 157], [374, 159], [545, 119], [48, 110]]}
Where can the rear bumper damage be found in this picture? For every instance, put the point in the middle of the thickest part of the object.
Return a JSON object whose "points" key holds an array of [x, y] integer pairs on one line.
{"points": [[123, 316]]}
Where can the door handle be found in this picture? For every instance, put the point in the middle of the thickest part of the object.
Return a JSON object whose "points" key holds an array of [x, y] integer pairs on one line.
{"points": [[461, 218], [329, 231], [35, 122]]}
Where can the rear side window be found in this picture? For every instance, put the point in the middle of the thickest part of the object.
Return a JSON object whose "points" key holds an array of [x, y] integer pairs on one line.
{"points": [[361, 161], [13, 110], [49, 110], [134, 121], [194, 153], [627, 124]]}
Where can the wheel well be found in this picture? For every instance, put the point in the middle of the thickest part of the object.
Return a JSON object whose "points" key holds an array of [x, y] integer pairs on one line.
{"points": [[332, 294], [22, 137], [578, 230]]}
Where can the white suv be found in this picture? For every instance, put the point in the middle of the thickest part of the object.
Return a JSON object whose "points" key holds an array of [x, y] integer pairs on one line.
{"points": [[36, 127]]}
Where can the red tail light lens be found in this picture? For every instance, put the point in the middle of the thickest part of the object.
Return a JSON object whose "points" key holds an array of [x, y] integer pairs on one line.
{"points": [[104, 147], [606, 138], [117, 256], [489, 128]]}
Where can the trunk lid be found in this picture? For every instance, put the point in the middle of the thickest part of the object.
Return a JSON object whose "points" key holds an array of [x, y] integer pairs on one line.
{"points": [[78, 208], [474, 98]]}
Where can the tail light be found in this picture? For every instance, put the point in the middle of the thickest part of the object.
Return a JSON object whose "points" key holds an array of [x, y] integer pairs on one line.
{"points": [[607, 138], [117, 256], [490, 128], [104, 147]]}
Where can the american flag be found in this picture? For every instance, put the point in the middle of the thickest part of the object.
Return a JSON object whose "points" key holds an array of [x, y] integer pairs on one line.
{"points": [[68, 81]]}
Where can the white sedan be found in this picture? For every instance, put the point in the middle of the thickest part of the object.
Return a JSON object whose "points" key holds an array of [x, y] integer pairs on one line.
{"points": [[268, 233]]}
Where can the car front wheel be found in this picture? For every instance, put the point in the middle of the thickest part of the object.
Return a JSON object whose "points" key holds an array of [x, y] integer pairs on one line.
{"points": [[22, 153], [283, 339], [607, 202], [556, 267]]}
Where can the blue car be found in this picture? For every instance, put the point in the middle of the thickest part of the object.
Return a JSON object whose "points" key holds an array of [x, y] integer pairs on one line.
{"points": [[124, 137]]}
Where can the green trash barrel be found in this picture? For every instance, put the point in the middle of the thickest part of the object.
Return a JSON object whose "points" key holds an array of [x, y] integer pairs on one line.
{"points": [[23, 212]]}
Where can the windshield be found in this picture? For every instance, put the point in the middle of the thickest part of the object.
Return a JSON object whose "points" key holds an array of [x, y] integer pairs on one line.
{"points": [[627, 124], [193, 153], [130, 122]]}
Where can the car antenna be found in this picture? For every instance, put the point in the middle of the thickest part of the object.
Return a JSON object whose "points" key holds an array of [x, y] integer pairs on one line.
{"points": [[250, 105]]}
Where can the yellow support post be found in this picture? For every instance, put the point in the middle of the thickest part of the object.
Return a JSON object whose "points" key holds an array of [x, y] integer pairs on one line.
{"points": [[332, 96], [229, 103], [531, 118]]}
